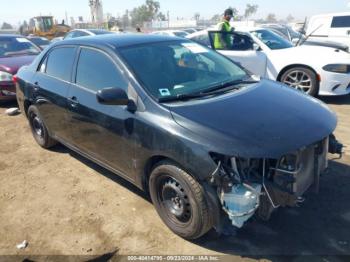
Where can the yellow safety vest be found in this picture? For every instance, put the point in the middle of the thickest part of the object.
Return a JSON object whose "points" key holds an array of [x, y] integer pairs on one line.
{"points": [[219, 38]]}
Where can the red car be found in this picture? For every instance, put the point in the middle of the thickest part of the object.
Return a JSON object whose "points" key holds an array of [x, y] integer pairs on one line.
{"points": [[15, 51]]}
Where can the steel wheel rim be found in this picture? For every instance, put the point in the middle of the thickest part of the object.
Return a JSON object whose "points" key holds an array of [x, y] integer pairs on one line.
{"points": [[299, 80], [37, 125], [174, 200]]}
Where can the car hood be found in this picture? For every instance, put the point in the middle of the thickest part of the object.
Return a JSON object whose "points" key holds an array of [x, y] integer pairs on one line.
{"points": [[309, 54], [265, 120], [12, 64]]}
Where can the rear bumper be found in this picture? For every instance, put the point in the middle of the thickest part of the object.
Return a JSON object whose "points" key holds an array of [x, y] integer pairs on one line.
{"points": [[7, 91]]}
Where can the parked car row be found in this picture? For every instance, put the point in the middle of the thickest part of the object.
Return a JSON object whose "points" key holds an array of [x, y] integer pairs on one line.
{"points": [[315, 70], [15, 51]]}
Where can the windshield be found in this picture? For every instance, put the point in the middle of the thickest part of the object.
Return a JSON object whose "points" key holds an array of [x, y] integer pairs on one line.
{"points": [[177, 68], [40, 41], [272, 40], [294, 34], [16, 46]]}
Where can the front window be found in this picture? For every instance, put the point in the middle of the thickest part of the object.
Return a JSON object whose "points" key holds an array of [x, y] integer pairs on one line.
{"points": [[177, 68], [232, 41], [272, 40], [17, 46]]}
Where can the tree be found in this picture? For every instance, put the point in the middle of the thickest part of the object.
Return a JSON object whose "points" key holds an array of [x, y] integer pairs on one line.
{"points": [[146, 13], [197, 16], [290, 18], [216, 18], [271, 18], [161, 17], [6, 26], [234, 11], [126, 19], [153, 7], [250, 10]]}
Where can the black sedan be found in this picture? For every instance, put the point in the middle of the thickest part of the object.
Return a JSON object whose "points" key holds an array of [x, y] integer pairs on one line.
{"points": [[208, 141]]}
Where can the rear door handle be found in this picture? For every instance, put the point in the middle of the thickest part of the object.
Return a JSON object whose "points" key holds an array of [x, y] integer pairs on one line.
{"points": [[73, 101], [36, 87]]}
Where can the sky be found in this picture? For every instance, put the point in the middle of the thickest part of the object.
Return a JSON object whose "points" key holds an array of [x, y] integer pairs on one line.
{"points": [[14, 11]]}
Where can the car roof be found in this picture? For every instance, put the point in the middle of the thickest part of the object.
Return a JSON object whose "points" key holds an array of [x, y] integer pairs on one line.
{"points": [[118, 40], [93, 30], [238, 30], [11, 36], [332, 14]]}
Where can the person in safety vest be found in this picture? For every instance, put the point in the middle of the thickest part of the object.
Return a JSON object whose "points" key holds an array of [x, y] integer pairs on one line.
{"points": [[222, 40]]}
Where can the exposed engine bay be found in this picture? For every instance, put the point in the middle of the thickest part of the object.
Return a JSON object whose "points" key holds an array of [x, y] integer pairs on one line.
{"points": [[249, 186]]}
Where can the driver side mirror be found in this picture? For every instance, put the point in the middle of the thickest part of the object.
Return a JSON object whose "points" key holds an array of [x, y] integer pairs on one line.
{"points": [[115, 96], [256, 47]]}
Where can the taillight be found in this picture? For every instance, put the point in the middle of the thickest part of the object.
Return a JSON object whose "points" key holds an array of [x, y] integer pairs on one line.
{"points": [[15, 79]]}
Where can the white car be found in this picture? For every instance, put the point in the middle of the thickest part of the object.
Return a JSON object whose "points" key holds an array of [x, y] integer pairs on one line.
{"points": [[331, 27], [85, 32], [178, 33], [315, 70]]}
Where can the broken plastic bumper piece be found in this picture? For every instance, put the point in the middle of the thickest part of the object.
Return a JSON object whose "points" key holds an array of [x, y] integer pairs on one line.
{"points": [[241, 203]]}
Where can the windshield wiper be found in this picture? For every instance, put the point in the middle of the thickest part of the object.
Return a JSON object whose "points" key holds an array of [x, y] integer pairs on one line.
{"points": [[214, 90], [181, 97], [229, 84]]}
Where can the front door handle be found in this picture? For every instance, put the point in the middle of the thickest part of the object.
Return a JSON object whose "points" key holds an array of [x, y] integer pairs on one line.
{"points": [[73, 101]]}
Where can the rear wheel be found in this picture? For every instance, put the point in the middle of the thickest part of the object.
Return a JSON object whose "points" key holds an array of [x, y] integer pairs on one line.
{"points": [[39, 130], [301, 78], [180, 201]]}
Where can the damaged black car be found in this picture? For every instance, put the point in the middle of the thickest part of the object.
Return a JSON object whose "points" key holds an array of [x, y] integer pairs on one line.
{"points": [[208, 141]]}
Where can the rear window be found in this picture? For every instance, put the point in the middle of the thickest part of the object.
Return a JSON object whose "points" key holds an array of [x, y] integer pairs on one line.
{"points": [[96, 71], [340, 21], [181, 34], [60, 62]]}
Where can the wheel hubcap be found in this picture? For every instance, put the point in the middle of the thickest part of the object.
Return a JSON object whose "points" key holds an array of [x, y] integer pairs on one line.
{"points": [[37, 125], [299, 80], [175, 200]]}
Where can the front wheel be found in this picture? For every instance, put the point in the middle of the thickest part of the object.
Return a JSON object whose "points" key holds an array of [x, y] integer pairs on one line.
{"points": [[180, 201], [301, 78]]}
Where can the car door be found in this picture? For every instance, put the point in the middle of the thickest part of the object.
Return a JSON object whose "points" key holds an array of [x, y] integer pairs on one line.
{"points": [[50, 88], [103, 132], [241, 49]]}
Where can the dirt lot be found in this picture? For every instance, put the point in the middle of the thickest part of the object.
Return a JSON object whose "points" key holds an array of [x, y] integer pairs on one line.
{"points": [[63, 204]]}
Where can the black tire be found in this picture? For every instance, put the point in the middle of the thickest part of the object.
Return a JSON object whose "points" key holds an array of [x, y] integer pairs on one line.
{"points": [[314, 84], [39, 130], [180, 201]]}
